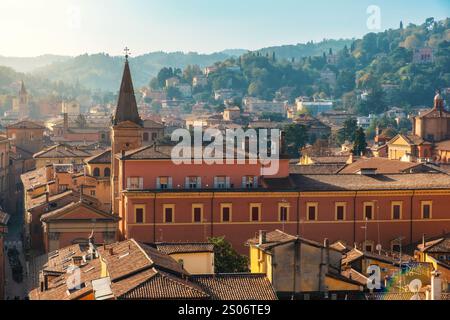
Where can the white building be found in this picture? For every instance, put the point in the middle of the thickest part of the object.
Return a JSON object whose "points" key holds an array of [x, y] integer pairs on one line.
{"points": [[199, 81], [254, 105], [364, 122], [313, 107], [72, 108]]}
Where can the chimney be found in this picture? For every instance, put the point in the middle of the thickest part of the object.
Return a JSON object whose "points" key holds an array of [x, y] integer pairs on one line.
{"points": [[47, 197], [45, 282], [326, 244], [436, 285], [262, 237], [77, 260], [66, 122], [111, 251]]}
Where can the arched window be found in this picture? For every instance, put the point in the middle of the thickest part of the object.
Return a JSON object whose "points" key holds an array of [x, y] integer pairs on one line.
{"points": [[96, 172], [107, 172]]}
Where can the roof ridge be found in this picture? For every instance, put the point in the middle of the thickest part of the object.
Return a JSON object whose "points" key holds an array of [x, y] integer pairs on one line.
{"points": [[143, 251]]}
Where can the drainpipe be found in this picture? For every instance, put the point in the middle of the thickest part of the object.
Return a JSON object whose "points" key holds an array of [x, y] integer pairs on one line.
{"points": [[297, 248], [154, 217], [354, 217], [411, 218], [212, 214], [298, 214]]}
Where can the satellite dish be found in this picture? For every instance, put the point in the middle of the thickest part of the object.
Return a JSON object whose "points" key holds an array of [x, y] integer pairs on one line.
{"points": [[378, 247]]}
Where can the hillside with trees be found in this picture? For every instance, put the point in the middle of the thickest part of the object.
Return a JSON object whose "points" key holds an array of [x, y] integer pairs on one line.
{"points": [[379, 67]]}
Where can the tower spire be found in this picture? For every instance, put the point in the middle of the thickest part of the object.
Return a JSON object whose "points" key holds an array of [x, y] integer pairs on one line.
{"points": [[23, 91], [127, 107]]}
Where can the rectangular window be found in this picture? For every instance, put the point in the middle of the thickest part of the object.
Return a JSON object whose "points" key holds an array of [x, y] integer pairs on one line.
{"points": [[283, 212], [368, 211], [139, 211], [154, 136], [250, 182], [221, 182], [163, 183], [396, 210], [225, 209], [426, 209], [193, 183], [255, 212], [197, 213], [340, 211], [135, 183], [311, 209], [169, 212], [93, 193]]}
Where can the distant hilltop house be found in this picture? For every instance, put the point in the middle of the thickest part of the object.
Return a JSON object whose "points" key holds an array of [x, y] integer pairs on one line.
{"points": [[258, 106], [335, 117], [71, 108], [225, 94], [211, 69], [332, 58], [172, 82], [231, 114], [423, 55], [313, 107], [199, 81], [364, 121], [155, 95]]}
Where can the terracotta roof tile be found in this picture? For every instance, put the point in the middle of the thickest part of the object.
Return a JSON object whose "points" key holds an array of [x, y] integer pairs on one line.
{"points": [[236, 286], [356, 182], [62, 151], [382, 166], [163, 286], [187, 247]]}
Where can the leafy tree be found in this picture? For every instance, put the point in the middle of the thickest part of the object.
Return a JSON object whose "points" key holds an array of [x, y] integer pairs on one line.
{"points": [[373, 103], [347, 132], [296, 138], [226, 259], [156, 107], [190, 72], [360, 144], [81, 121], [163, 75], [173, 93]]}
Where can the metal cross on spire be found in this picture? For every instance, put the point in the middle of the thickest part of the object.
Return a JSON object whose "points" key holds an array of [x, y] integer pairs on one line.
{"points": [[127, 52]]}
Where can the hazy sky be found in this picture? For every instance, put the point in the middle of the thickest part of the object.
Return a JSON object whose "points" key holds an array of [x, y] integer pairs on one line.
{"points": [[72, 27]]}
